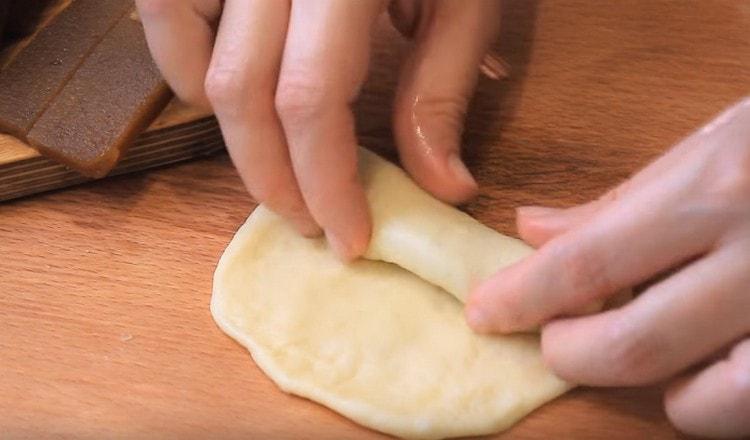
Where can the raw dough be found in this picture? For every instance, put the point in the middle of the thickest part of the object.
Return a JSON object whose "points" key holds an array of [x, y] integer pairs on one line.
{"points": [[374, 340], [425, 236]]}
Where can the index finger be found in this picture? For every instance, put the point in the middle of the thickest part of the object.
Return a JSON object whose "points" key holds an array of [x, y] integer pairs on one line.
{"points": [[325, 62], [633, 239], [171, 26]]}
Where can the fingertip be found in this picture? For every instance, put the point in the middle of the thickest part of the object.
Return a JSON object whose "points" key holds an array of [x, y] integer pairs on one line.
{"points": [[530, 230], [428, 136], [435, 87], [293, 210], [451, 181], [672, 393], [490, 307], [352, 243], [360, 241], [466, 185], [477, 317], [446, 177], [343, 250], [340, 248], [680, 407]]}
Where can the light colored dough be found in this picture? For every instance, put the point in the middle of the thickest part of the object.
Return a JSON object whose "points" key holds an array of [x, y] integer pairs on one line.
{"points": [[425, 236], [372, 340]]}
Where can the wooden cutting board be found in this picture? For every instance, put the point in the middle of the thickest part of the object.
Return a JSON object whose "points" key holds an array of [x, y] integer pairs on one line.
{"points": [[179, 133], [104, 323]]}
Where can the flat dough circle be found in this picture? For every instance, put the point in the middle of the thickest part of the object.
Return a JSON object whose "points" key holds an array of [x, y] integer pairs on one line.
{"points": [[372, 340]]}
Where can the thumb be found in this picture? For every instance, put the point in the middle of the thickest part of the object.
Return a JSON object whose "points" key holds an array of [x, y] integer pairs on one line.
{"points": [[436, 83]]}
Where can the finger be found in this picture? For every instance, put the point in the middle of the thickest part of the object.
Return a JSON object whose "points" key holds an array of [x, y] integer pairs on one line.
{"points": [[435, 86], [405, 16], [671, 326], [538, 225], [716, 401], [325, 62], [631, 240], [180, 36], [240, 84]]}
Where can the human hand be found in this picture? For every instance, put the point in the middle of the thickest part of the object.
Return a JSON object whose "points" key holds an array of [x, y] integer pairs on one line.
{"points": [[688, 212], [281, 75]]}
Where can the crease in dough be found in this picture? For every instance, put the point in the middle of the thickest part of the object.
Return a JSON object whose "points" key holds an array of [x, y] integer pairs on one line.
{"points": [[383, 340]]}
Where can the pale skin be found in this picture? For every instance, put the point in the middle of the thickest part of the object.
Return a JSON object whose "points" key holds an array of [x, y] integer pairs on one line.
{"points": [[280, 76], [687, 215]]}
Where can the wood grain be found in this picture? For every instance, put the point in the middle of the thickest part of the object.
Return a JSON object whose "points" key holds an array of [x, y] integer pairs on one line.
{"points": [[179, 133], [25, 171], [105, 327]]}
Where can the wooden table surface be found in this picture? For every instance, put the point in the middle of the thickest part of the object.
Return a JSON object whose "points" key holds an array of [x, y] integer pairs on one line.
{"points": [[104, 323]]}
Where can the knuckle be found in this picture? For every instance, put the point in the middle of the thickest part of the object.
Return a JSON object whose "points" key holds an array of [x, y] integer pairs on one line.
{"points": [[731, 183], [729, 171], [584, 273], [224, 86], [300, 96], [632, 355], [235, 89], [727, 168]]}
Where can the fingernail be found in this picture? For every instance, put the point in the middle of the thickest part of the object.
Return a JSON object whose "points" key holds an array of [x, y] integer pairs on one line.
{"points": [[536, 211], [339, 247], [459, 170], [477, 318]]}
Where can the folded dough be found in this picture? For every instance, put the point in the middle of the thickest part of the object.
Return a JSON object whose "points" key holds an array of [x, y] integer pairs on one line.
{"points": [[382, 342], [425, 236]]}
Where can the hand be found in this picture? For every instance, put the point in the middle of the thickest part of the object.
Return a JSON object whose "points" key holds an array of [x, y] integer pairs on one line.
{"points": [[688, 212], [281, 75]]}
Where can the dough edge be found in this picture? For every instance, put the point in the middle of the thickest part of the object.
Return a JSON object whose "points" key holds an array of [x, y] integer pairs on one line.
{"points": [[362, 413]]}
